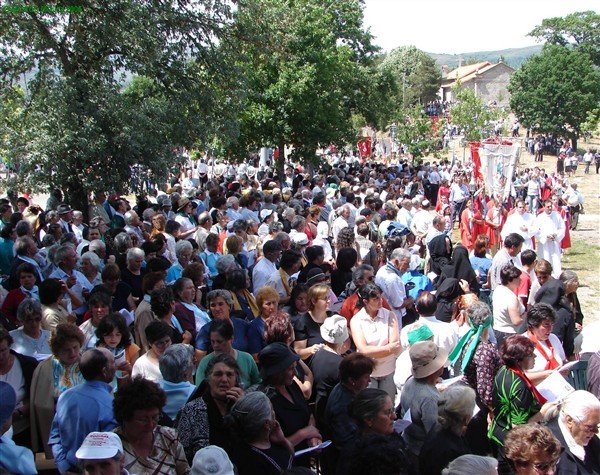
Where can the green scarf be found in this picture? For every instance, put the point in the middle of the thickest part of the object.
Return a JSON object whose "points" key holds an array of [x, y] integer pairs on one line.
{"points": [[458, 349]]}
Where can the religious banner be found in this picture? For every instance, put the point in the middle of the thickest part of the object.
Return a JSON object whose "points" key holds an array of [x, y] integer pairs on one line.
{"points": [[496, 159], [364, 147]]}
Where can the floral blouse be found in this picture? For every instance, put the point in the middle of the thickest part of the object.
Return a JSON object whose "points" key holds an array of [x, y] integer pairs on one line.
{"points": [[481, 370]]}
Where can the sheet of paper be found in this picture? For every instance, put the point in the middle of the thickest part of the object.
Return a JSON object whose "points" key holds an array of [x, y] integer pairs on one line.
{"points": [[127, 315], [567, 365], [400, 425], [448, 382], [322, 445], [555, 387]]}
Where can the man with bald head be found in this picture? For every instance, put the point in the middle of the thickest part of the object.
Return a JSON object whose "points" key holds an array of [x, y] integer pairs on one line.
{"points": [[84, 408]]}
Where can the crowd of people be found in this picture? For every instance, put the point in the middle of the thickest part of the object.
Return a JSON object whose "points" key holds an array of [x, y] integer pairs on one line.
{"points": [[404, 317]]}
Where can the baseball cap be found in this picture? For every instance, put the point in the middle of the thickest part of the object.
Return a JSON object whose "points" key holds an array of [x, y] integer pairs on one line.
{"points": [[99, 445]]}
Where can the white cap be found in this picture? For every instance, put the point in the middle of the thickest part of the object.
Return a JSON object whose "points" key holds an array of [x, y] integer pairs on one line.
{"points": [[212, 460], [99, 445]]}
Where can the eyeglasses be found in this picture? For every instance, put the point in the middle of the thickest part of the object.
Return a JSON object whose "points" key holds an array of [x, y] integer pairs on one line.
{"points": [[326, 299], [147, 420], [545, 467], [588, 427]]}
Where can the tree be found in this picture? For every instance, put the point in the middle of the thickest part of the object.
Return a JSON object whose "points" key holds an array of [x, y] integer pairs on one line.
{"points": [[580, 29], [84, 129], [471, 115], [554, 91], [418, 133], [308, 69], [417, 77]]}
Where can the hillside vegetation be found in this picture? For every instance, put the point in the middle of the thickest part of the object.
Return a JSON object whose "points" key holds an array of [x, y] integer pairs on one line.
{"points": [[514, 57]]}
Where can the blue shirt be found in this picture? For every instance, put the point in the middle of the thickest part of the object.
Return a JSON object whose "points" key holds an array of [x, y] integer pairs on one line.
{"points": [[16, 459], [421, 282], [174, 272], [177, 396], [79, 411], [240, 337], [256, 337]]}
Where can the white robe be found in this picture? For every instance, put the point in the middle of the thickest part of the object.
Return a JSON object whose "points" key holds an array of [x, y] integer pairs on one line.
{"points": [[515, 222], [544, 225]]}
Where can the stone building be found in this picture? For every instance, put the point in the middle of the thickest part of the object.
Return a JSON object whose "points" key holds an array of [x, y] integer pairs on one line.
{"points": [[488, 80]]}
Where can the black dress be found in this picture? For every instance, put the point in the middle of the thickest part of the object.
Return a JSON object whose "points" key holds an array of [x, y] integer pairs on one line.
{"points": [[251, 460], [325, 367], [440, 448], [292, 416]]}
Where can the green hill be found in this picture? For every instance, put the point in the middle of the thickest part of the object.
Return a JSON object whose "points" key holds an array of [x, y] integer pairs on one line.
{"points": [[514, 57]]}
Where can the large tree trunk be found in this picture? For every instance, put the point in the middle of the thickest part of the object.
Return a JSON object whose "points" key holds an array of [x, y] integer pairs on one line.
{"points": [[76, 196]]}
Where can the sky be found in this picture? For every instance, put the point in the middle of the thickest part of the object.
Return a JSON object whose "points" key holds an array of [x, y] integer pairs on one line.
{"points": [[462, 26]]}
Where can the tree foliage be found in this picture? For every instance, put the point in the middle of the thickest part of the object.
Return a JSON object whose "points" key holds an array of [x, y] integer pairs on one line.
{"points": [[307, 63], [418, 133], [580, 29], [417, 77], [554, 91], [471, 115], [85, 131]]}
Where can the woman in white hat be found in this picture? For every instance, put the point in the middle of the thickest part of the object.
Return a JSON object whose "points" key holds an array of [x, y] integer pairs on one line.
{"points": [[325, 363]]}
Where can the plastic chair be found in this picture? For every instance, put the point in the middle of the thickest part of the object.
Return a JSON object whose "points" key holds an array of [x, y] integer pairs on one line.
{"points": [[578, 375]]}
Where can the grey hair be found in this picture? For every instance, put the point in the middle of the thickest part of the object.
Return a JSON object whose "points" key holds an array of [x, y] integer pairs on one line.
{"points": [[204, 218], [92, 258], [359, 272], [455, 405], [21, 245], [282, 236], [567, 276], [123, 242], [250, 413], [224, 294], [478, 313], [61, 253], [175, 362], [181, 246], [97, 245], [135, 253], [27, 308], [275, 226], [130, 216], [224, 263], [297, 222], [576, 405], [400, 253], [77, 214], [469, 464], [288, 212]]}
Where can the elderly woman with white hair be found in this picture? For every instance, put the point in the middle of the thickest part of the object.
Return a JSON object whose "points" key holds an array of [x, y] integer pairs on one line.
{"points": [[447, 441], [470, 464], [183, 252], [91, 267], [224, 264], [575, 423], [176, 366], [133, 274]]}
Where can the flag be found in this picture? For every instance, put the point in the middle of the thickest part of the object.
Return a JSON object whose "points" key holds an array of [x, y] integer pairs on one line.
{"points": [[364, 147]]}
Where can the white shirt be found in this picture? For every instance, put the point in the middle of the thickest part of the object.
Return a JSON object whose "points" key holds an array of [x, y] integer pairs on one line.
{"points": [[515, 224], [339, 224], [263, 270], [444, 334], [393, 290], [559, 353]]}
